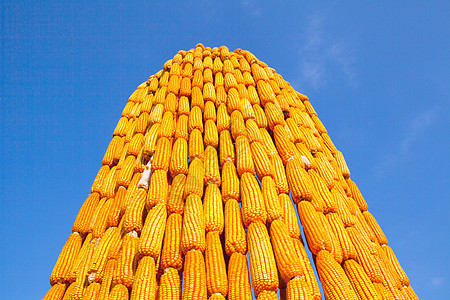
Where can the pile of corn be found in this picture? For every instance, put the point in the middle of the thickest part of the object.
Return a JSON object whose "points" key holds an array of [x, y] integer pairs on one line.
{"points": [[197, 194]]}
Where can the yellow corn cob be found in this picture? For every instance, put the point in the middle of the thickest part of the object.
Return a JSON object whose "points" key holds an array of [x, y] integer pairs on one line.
{"points": [[254, 135], [107, 279], [213, 209], [217, 65], [258, 73], [143, 122], [260, 116], [195, 119], [274, 115], [98, 211], [298, 289], [212, 173], [150, 243], [187, 71], [92, 291], [160, 95], [197, 80], [226, 148], [223, 119], [271, 201], [265, 92], [130, 192], [336, 249], [310, 140], [341, 206], [196, 147], [243, 93], [209, 112], [194, 277], [127, 109], [289, 216], [63, 266], [126, 172], [135, 111], [238, 278], [348, 250], [174, 84], [119, 292], [297, 134], [78, 262], [197, 97], [144, 283], [237, 125], [170, 285], [56, 292], [262, 261], [288, 262], [171, 254], [133, 214], [263, 165], [357, 196], [135, 144], [124, 272], [334, 281], [211, 135], [158, 189], [179, 159], [171, 104], [235, 239], [175, 201], [150, 139], [216, 273], [299, 181], [167, 128], [364, 256], [120, 127], [227, 65], [108, 158], [221, 95], [373, 224], [161, 158], [342, 164], [248, 79], [98, 181], [195, 178], [267, 295], [389, 279], [230, 82], [360, 281], [318, 124], [181, 130], [396, 265], [81, 279], [244, 160], [279, 174], [99, 257], [322, 191], [86, 213], [362, 226], [325, 170], [315, 233], [183, 107], [193, 231], [253, 208], [230, 182]]}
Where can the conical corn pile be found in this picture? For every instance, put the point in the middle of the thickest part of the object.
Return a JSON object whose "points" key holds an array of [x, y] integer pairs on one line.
{"points": [[197, 194]]}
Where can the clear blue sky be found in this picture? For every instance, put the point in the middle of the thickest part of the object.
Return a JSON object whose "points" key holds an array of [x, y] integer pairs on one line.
{"points": [[377, 74]]}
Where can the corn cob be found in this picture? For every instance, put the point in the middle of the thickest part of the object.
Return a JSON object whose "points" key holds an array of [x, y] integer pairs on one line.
{"points": [[133, 215], [66, 258], [334, 281], [181, 129], [152, 234], [98, 181], [86, 213], [171, 104], [253, 208], [235, 238], [271, 201], [56, 292], [213, 209], [316, 235], [262, 261], [99, 257], [179, 159], [336, 249], [381, 238], [193, 230], [289, 264], [226, 148], [196, 147], [396, 265], [244, 160], [279, 174], [171, 254], [348, 250], [195, 178], [211, 137], [238, 278], [170, 285], [299, 181], [262, 163], [119, 292], [161, 158], [357, 196], [359, 280], [150, 139], [297, 289], [158, 189], [285, 147], [194, 279], [124, 272], [260, 116], [175, 201], [144, 283], [289, 216], [212, 173], [197, 97], [216, 274], [130, 192], [107, 279]]}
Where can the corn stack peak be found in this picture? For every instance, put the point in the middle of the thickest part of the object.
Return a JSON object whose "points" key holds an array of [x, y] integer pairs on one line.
{"points": [[199, 189]]}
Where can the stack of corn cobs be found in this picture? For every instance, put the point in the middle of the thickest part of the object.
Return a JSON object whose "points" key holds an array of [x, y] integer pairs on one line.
{"points": [[197, 194]]}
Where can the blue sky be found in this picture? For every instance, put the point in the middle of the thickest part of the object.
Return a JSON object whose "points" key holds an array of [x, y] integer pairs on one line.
{"points": [[377, 73]]}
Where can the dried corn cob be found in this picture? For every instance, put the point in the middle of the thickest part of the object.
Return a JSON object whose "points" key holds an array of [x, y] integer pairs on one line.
{"points": [[66, 258], [216, 274], [152, 234], [193, 231], [194, 279], [253, 208], [144, 283]]}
